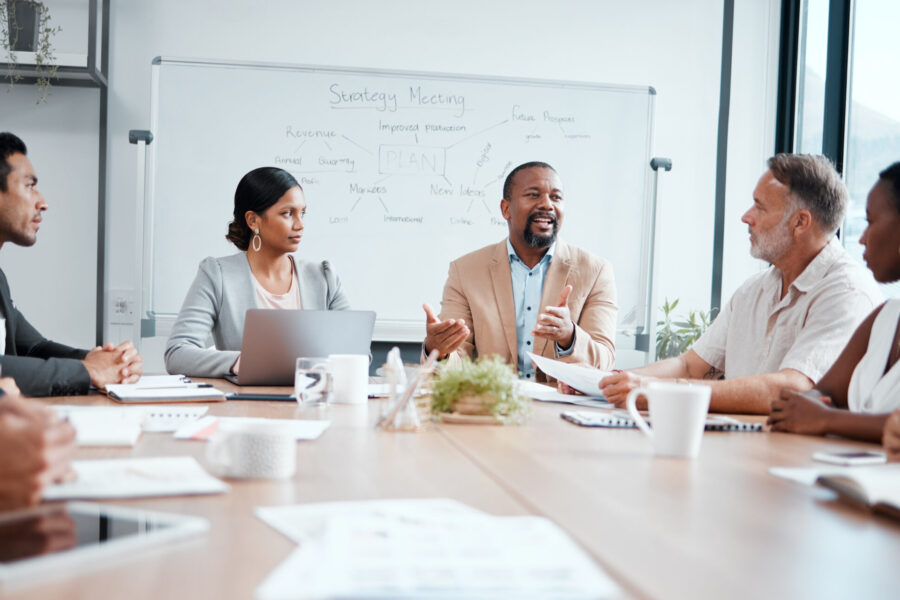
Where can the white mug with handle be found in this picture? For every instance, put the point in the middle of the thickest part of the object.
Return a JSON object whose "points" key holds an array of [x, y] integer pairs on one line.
{"points": [[677, 414]]}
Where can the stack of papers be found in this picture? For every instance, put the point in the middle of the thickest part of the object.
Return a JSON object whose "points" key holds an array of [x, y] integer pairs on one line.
{"points": [[135, 478], [426, 549], [164, 388]]}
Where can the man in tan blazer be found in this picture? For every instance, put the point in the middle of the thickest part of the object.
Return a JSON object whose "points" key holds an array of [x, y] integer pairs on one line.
{"points": [[530, 292]]}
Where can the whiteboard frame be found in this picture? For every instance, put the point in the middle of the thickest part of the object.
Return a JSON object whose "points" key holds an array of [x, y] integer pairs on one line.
{"points": [[156, 324]]}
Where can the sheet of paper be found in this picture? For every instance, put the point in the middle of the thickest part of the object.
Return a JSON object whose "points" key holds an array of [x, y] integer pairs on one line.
{"points": [[94, 424], [546, 393], [304, 522], [136, 478], [584, 379], [202, 429], [454, 556], [103, 425]]}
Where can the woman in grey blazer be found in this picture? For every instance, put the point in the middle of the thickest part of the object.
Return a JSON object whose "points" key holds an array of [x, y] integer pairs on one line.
{"points": [[269, 207]]}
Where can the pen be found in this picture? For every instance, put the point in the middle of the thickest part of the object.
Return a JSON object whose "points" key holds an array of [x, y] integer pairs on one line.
{"points": [[241, 396], [181, 386]]}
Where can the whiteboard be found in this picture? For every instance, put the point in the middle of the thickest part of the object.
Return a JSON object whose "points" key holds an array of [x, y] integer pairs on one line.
{"points": [[402, 173]]}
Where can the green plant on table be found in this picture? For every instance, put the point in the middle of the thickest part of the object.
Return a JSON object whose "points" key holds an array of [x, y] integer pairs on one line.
{"points": [[673, 338], [489, 379]]}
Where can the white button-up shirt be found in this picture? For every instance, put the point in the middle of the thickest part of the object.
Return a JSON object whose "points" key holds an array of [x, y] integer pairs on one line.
{"points": [[758, 331]]}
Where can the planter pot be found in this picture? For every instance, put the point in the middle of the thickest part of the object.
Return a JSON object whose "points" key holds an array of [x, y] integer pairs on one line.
{"points": [[24, 22], [474, 405]]}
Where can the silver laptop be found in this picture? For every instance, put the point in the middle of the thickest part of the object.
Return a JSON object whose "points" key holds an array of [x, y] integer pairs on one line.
{"points": [[273, 339]]}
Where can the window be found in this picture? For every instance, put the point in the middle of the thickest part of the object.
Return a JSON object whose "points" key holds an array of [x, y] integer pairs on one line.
{"points": [[873, 128], [812, 54]]}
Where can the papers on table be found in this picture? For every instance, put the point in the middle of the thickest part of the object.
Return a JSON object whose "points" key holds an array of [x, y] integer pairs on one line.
{"points": [[186, 393], [545, 393], [122, 425], [135, 478], [584, 379], [202, 429], [164, 388], [808, 475], [427, 549], [307, 522]]}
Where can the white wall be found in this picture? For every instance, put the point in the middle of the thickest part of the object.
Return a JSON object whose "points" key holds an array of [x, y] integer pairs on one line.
{"points": [[673, 46], [54, 282]]}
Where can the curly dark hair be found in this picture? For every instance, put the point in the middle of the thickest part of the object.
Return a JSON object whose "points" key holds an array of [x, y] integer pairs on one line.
{"points": [[891, 176], [257, 191]]}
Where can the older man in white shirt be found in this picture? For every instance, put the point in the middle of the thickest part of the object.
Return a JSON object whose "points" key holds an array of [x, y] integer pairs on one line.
{"points": [[784, 327]]}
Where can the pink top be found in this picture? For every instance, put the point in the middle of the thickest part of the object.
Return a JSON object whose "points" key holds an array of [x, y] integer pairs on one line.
{"points": [[291, 299]]}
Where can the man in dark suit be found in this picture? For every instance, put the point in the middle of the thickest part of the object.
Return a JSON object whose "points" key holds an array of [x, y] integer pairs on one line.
{"points": [[39, 366]]}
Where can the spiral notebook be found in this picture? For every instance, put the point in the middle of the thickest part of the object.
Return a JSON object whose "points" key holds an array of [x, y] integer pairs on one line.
{"points": [[624, 420]]}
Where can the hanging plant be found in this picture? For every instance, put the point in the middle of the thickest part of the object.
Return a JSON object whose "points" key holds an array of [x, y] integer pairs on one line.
{"points": [[25, 27]]}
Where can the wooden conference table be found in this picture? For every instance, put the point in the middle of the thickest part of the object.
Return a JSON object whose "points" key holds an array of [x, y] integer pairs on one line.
{"points": [[716, 527]]}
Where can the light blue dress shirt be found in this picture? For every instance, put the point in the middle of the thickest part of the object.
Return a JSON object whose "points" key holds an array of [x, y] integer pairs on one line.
{"points": [[527, 287]]}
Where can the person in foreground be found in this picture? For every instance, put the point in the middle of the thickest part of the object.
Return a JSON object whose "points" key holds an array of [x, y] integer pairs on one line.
{"points": [[269, 207], [858, 392], [39, 366], [530, 292], [35, 448], [783, 327]]}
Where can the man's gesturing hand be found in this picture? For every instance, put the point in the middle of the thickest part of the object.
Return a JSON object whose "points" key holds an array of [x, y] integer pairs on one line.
{"points": [[443, 336], [555, 323]]}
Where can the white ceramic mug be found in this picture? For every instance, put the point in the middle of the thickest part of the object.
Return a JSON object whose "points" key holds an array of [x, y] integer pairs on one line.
{"points": [[351, 377], [677, 413], [252, 451]]}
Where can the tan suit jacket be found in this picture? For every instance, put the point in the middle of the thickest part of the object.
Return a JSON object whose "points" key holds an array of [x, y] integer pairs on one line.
{"points": [[479, 291]]}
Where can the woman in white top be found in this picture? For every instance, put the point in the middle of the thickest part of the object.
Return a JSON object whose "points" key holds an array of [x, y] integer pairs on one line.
{"points": [[854, 398], [269, 207]]}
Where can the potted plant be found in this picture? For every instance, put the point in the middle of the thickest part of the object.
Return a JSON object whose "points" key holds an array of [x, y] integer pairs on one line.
{"points": [[25, 27], [673, 338], [480, 391]]}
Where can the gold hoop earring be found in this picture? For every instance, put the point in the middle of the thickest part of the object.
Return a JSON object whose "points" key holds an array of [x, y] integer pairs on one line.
{"points": [[256, 242]]}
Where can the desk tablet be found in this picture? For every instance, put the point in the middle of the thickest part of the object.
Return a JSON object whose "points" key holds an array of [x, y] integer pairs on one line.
{"points": [[72, 538]]}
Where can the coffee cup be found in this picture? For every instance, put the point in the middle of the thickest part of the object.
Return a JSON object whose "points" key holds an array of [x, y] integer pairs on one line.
{"points": [[252, 451], [351, 377], [677, 415]]}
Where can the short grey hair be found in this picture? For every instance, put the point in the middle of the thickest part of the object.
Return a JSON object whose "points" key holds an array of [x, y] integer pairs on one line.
{"points": [[814, 184]]}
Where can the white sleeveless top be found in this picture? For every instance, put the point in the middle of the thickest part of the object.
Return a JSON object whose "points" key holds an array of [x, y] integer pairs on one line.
{"points": [[871, 389]]}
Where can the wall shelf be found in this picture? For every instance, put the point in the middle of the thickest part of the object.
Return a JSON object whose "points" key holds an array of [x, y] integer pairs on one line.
{"points": [[73, 68]]}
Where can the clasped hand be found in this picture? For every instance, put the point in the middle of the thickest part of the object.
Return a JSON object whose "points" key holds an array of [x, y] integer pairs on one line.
{"points": [[800, 412], [114, 364]]}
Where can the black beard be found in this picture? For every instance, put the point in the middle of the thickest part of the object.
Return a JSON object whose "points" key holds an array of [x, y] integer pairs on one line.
{"points": [[540, 241]]}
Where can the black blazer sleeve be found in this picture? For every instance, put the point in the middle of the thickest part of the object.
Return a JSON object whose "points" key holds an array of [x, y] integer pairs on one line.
{"points": [[39, 366]]}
